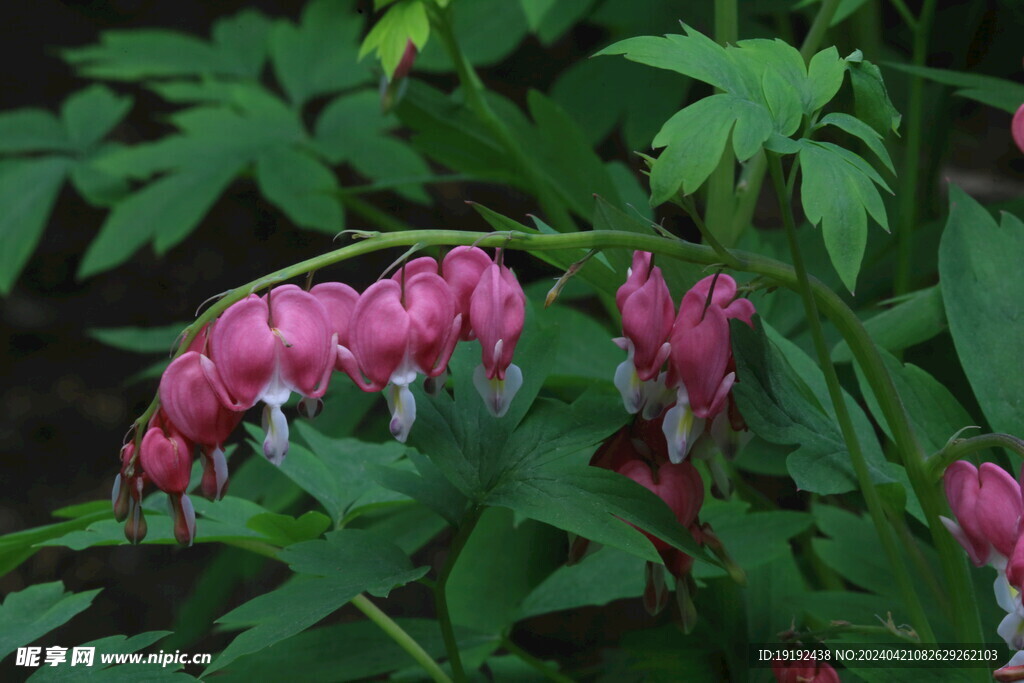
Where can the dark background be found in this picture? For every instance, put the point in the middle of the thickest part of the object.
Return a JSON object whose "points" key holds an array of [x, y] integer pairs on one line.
{"points": [[64, 401]]}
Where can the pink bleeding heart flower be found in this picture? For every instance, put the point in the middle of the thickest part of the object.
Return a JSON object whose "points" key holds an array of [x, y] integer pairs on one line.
{"points": [[192, 405], [462, 268], [700, 360], [263, 350], [339, 301], [167, 459], [423, 264], [647, 317], [1017, 128], [497, 312], [987, 503], [397, 333]]}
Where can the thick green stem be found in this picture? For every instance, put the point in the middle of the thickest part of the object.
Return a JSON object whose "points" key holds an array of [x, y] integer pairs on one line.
{"points": [[441, 597], [909, 195], [961, 448], [475, 93], [876, 509], [721, 193], [403, 639]]}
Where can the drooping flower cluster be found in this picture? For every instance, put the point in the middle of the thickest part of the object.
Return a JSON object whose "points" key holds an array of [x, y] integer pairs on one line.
{"points": [[638, 451], [989, 509], [682, 361], [264, 348], [798, 671]]}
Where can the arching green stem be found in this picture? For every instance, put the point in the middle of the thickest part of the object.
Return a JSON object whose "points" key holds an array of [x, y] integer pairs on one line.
{"points": [[961, 448]]}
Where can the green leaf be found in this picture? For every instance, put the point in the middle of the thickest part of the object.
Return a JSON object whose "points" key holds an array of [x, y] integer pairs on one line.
{"points": [[753, 539], [347, 563], [599, 578], [916, 318], [934, 412], [406, 21], [824, 78], [284, 530], [139, 339], [166, 211], [32, 130], [243, 40], [695, 138], [550, 19], [838, 191], [997, 92], [302, 187], [99, 671], [982, 287], [427, 485], [348, 119], [90, 114], [386, 159], [871, 102], [351, 651], [320, 55], [144, 53], [858, 128], [35, 611], [781, 407], [500, 564], [487, 32], [28, 189], [98, 187], [596, 504]]}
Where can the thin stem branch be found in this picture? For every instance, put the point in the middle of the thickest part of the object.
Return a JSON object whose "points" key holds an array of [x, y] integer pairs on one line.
{"points": [[709, 237], [440, 592], [545, 670], [908, 17], [874, 502], [958, 449], [401, 638]]}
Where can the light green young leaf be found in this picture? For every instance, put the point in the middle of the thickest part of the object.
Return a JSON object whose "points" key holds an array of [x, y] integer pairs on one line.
{"points": [[838, 191], [406, 21], [91, 113], [35, 611], [302, 187], [166, 211], [859, 129], [695, 138], [28, 189], [982, 289]]}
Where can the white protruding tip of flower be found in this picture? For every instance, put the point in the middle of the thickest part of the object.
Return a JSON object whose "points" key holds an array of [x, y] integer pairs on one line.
{"points": [[1006, 595], [629, 385], [116, 491], [1017, 659], [402, 405], [275, 445], [498, 394], [656, 397], [189, 513], [309, 408], [1011, 629], [681, 427], [220, 470]]}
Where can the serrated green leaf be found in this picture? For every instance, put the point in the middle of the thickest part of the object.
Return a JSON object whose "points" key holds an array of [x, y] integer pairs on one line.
{"points": [[982, 287], [90, 114], [781, 407], [320, 55], [32, 130], [406, 21], [166, 211], [302, 187], [347, 563], [139, 339], [695, 138], [915, 319], [871, 102], [28, 189], [838, 194], [868, 135], [35, 611]]}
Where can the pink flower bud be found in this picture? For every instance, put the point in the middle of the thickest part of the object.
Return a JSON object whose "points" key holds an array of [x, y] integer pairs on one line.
{"points": [[167, 459], [797, 671], [192, 404], [1017, 128], [988, 505], [339, 301]]}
